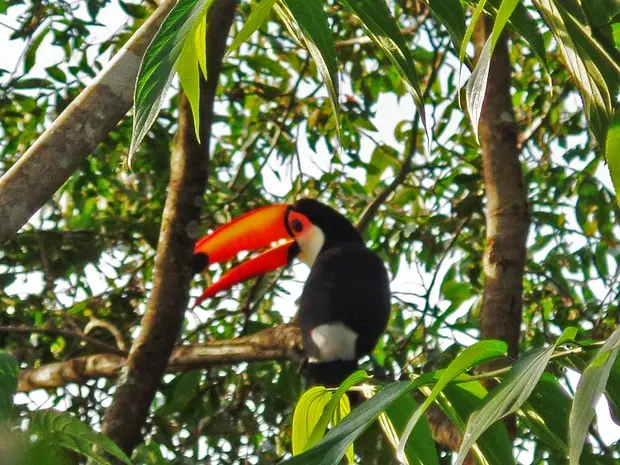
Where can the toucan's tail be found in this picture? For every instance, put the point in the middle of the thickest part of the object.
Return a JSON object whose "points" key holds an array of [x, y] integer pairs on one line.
{"points": [[329, 374]]}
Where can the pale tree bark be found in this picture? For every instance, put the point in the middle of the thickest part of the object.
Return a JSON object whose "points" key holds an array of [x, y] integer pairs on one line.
{"points": [[161, 324], [280, 343], [507, 217], [72, 137]]}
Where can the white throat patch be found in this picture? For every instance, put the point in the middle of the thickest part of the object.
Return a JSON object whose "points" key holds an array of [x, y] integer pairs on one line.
{"points": [[310, 244]]}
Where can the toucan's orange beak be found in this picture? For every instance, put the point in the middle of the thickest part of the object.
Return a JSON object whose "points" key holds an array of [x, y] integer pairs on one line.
{"points": [[251, 231]]}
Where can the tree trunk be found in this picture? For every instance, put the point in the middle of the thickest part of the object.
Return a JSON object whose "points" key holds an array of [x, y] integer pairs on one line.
{"points": [[507, 217], [173, 272], [72, 137]]}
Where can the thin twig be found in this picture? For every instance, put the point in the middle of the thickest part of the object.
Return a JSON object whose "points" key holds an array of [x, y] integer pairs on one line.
{"points": [[63, 332]]}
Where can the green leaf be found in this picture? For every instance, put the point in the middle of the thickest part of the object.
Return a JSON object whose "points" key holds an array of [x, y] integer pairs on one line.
{"points": [[159, 64], [307, 413], [319, 40], [328, 412], [382, 158], [30, 55], [514, 390], [594, 71], [477, 84], [480, 352], [255, 20], [331, 449], [458, 401], [588, 392], [376, 18], [8, 383], [189, 75], [527, 27], [468, 33], [423, 451], [66, 431], [612, 149], [546, 413], [450, 13]]}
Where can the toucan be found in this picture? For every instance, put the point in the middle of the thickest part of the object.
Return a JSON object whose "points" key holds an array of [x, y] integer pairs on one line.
{"points": [[345, 304]]}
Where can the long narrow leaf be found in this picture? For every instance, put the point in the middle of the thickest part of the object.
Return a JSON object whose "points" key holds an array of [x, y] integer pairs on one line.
{"points": [[376, 18], [508, 397], [592, 72], [423, 451], [450, 13], [589, 389], [331, 449], [458, 401], [255, 20], [328, 412], [476, 87], [612, 149], [319, 39], [307, 413], [480, 352], [189, 75], [159, 64], [546, 413], [468, 33]]}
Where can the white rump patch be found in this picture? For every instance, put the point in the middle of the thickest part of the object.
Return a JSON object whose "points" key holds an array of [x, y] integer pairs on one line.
{"points": [[335, 341], [310, 244]]}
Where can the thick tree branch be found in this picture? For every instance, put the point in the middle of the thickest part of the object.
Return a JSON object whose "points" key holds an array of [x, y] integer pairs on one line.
{"points": [[279, 343], [507, 217], [62, 148], [161, 324]]}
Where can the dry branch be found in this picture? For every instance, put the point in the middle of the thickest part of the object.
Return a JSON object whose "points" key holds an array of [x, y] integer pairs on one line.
{"points": [[63, 147], [279, 343]]}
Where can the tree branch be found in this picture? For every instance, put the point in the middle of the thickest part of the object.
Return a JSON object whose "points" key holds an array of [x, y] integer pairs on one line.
{"points": [[62, 148], [63, 332], [162, 322], [280, 343]]}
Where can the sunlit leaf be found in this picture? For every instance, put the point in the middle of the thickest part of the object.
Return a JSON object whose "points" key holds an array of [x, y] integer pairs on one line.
{"points": [[589, 389], [612, 150], [328, 412], [595, 73], [189, 75], [159, 64], [331, 449], [255, 20], [477, 85], [307, 413]]}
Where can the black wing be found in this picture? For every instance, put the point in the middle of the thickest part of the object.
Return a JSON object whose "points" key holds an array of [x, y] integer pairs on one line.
{"points": [[349, 284]]}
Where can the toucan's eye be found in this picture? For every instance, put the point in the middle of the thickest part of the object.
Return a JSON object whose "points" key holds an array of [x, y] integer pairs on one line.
{"points": [[297, 225]]}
